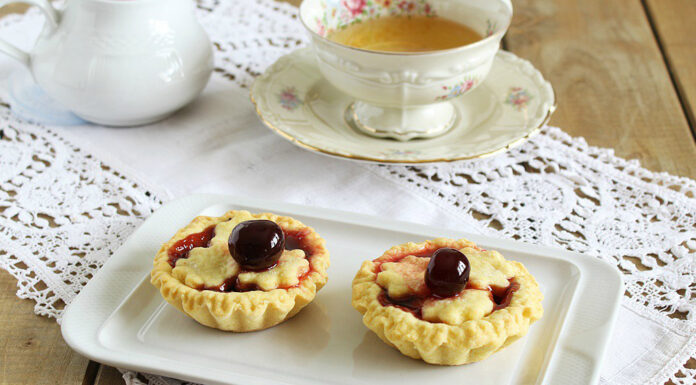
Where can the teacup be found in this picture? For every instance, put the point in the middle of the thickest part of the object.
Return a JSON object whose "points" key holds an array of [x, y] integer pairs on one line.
{"points": [[405, 95]]}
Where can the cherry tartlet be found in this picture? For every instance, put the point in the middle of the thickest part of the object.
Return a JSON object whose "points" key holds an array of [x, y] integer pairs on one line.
{"points": [[241, 271], [445, 301]]}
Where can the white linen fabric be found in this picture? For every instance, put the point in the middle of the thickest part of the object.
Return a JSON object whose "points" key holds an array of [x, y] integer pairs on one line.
{"points": [[70, 195]]}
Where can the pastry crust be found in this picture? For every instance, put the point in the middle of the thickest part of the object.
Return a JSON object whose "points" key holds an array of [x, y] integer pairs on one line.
{"points": [[241, 311], [454, 339]]}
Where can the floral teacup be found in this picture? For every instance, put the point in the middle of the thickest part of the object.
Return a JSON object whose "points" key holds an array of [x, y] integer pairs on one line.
{"points": [[405, 95]]}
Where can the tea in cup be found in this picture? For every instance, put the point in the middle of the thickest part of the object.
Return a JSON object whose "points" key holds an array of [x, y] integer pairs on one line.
{"points": [[406, 34]]}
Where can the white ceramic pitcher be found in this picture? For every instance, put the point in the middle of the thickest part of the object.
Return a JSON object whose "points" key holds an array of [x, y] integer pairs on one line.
{"points": [[119, 62]]}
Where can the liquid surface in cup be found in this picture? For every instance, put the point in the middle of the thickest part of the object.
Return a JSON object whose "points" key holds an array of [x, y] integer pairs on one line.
{"points": [[406, 34]]}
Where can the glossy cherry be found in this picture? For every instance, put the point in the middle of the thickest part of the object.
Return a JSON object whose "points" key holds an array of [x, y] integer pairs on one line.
{"points": [[256, 244], [447, 273]]}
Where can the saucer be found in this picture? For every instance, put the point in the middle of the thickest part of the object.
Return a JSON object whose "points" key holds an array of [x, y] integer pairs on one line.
{"points": [[510, 106]]}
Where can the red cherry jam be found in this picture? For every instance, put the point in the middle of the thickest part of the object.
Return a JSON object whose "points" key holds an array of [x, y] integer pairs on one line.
{"points": [[295, 240], [226, 286], [231, 284], [413, 305], [501, 296], [182, 247]]}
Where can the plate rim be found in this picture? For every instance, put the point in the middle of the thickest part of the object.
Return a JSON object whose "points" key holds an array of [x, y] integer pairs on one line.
{"points": [[532, 131], [93, 349]]}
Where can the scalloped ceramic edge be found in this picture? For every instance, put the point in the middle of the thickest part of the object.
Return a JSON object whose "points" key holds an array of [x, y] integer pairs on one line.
{"points": [[511, 106]]}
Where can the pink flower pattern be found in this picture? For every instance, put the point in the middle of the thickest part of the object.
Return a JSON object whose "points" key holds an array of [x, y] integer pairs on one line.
{"points": [[343, 13], [518, 98], [457, 89], [288, 98], [354, 6], [491, 27], [321, 29]]}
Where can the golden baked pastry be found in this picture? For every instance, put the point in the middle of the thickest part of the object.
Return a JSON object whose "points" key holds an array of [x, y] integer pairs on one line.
{"points": [[433, 303], [197, 273]]}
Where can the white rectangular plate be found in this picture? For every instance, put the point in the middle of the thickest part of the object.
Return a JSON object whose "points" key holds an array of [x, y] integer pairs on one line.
{"points": [[120, 319]]}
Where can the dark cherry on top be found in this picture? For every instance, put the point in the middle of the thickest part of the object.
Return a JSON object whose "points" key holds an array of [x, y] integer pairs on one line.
{"points": [[257, 244], [293, 240], [447, 272], [444, 260]]}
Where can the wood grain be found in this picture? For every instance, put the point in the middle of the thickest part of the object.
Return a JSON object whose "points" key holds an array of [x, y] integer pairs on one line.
{"points": [[612, 84], [32, 350], [108, 375], [673, 21], [13, 8], [293, 2], [675, 30]]}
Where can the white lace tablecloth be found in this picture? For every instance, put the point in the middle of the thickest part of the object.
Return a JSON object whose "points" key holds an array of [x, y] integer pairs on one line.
{"points": [[70, 195]]}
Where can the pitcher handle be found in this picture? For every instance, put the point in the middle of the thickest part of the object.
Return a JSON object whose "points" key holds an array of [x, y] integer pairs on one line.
{"points": [[51, 18]]}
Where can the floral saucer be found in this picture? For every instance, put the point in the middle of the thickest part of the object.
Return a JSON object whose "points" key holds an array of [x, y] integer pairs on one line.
{"points": [[509, 107]]}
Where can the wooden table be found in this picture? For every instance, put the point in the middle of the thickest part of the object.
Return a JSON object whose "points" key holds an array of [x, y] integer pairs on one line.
{"points": [[625, 78]]}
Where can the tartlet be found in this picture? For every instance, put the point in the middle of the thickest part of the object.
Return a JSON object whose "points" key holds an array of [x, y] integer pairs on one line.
{"points": [[496, 307], [196, 273]]}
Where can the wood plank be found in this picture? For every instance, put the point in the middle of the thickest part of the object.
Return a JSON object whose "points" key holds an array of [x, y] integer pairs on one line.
{"points": [[108, 375], [91, 373], [13, 8], [32, 350], [673, 20], [293, 2], [612, 84]]}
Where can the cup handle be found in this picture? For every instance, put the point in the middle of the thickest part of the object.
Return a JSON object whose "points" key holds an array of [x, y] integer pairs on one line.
{"points": [[51, 18]]}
